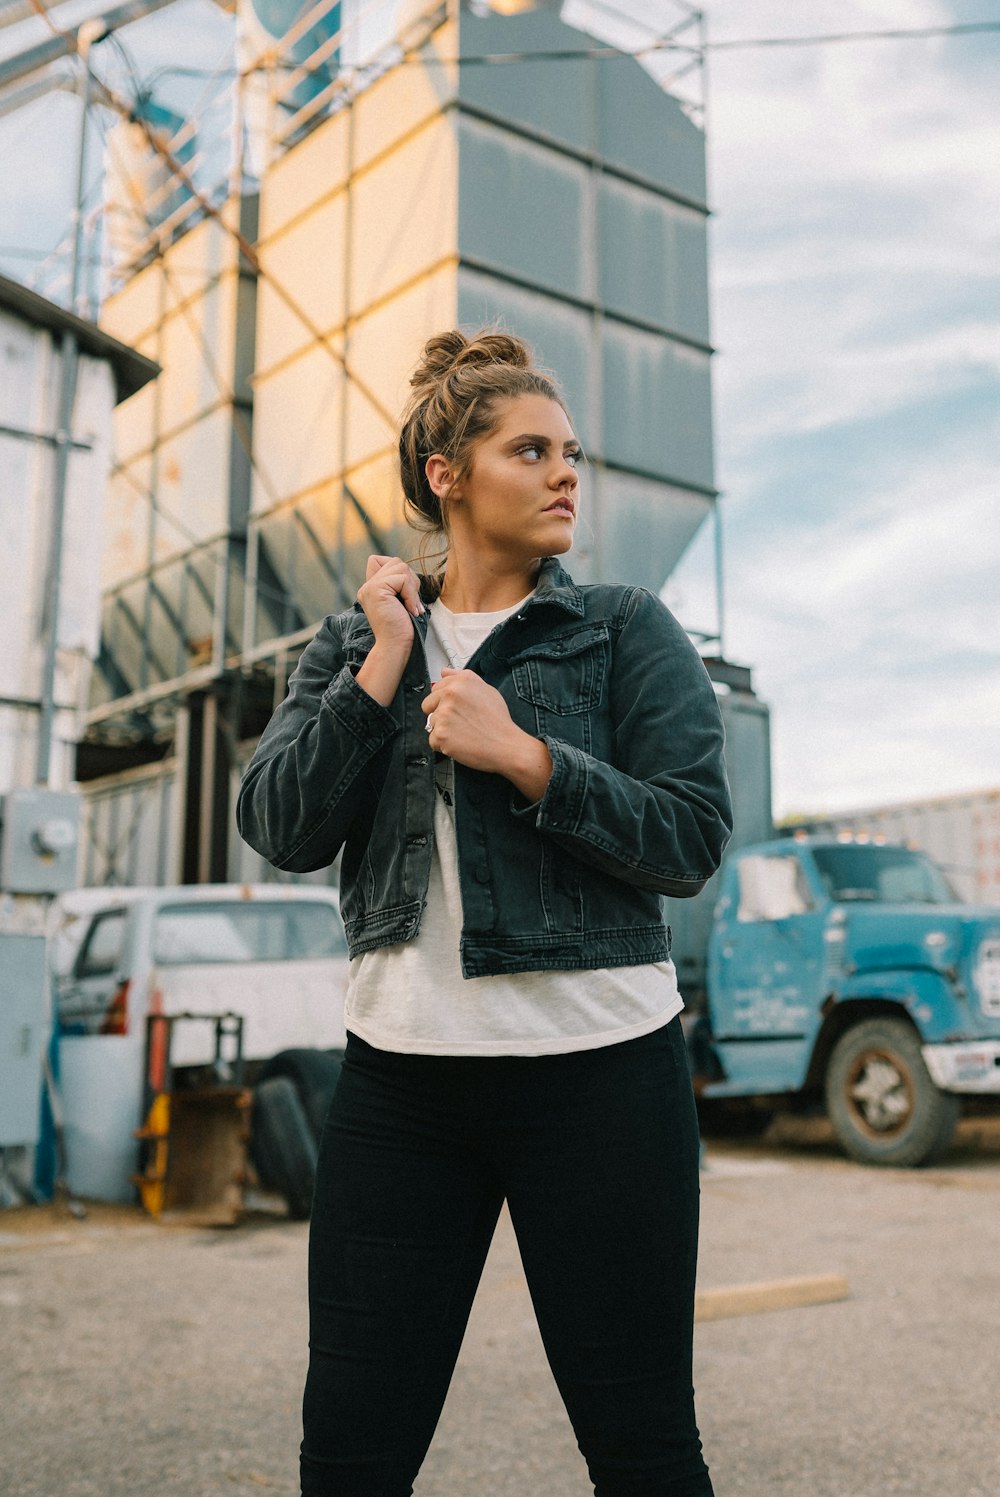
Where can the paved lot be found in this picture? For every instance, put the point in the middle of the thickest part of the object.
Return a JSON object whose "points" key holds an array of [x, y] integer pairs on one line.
{"points": [[165, 1362]]}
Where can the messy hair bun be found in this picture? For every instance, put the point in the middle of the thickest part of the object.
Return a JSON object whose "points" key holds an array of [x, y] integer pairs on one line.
{"points": [[453, 350], [455, 387]]}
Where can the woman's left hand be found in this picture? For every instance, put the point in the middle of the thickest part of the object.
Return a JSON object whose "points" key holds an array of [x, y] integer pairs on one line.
{"points": [[469, 721]]}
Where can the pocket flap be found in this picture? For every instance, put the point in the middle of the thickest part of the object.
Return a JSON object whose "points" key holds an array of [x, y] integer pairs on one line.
{"points": [[562, 646]]}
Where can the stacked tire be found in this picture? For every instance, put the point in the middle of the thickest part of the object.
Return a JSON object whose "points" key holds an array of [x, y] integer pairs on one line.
{"points": [[291, 1100]]}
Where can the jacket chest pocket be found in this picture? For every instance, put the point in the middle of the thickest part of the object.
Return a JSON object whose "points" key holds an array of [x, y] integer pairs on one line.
{"points": [[565, 674]]}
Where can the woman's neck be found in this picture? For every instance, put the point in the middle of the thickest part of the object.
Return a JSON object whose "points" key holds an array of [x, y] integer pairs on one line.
{"points": [[477, 587]]}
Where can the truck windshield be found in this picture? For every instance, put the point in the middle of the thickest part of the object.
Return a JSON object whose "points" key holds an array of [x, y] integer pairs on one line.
{"points": [[250, 931], [886, 875]]}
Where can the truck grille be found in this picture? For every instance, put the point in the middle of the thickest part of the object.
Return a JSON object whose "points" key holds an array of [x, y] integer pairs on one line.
{"points": [[988, 977]]}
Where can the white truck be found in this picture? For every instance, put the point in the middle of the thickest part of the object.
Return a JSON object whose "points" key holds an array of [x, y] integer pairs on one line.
{"points": [[272, 958]]}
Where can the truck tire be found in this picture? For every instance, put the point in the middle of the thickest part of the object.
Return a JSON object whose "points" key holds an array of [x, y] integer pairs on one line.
{"points": [[314, 1075], [883, 1105], [282, 1146]]}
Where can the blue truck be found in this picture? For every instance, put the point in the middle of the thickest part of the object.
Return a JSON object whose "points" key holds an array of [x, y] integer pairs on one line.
{"points": [[847, 973]]}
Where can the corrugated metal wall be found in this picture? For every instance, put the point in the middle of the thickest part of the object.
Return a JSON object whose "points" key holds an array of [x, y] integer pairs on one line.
{"points": [[30, 378], [131, 832], [130, 829]]}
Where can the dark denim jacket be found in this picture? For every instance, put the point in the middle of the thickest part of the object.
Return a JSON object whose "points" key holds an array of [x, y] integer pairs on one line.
{"points": [[637, 806]]}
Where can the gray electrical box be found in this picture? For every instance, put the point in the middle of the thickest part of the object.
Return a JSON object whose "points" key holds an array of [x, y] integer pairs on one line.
{"points": [[22, 1036], [39, 841]]}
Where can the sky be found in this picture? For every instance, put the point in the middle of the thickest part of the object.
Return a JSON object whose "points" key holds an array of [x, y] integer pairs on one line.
{"points": [[854, 257]]}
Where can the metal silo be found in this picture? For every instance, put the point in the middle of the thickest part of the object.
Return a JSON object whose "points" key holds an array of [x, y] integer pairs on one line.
{"points": [[467, 167], [582, 223]]}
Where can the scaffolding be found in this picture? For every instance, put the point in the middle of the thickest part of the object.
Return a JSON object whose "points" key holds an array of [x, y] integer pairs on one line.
{"points": [[383, 166]]}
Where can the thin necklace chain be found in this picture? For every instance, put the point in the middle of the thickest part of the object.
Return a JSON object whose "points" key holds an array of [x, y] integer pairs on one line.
{"points": [[457, 660], [437, 624]]}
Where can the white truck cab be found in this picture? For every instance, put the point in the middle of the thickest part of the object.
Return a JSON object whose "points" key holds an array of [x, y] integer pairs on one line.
{"points": [[273, 954]]}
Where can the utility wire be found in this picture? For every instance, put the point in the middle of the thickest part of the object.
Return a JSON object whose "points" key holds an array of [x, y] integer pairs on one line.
{"points": [[730, 44], [662, 44], [967, 28]]}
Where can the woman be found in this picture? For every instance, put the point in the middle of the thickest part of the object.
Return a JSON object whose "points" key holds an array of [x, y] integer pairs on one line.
{"points": [[516, 768]]}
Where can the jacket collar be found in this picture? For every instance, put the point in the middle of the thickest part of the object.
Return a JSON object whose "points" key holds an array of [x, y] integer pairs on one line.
{"points": [[556, 587]]}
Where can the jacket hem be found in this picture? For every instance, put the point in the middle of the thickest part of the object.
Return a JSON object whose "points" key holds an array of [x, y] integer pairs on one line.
{"points": [[489, 956]]}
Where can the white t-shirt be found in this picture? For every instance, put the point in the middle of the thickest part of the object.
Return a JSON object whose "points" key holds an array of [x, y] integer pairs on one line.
{"points": [[412, 997]]}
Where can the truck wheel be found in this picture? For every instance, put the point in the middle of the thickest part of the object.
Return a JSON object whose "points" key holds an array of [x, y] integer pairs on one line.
{"points": [[282, 1145], [314, 1075], [883, 1105]]}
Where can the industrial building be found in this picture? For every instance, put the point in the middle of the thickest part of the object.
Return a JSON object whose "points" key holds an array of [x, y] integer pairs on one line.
{"points": [[382, 187], [54, 480], [56, 471]]}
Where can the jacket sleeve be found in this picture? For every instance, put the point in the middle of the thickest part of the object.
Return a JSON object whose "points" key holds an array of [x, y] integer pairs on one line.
{"points": [[299, 793], [660, 816]]}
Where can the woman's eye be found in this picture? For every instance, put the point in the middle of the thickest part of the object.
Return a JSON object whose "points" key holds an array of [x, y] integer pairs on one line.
{"points": [[574, 456], [532, 450]]}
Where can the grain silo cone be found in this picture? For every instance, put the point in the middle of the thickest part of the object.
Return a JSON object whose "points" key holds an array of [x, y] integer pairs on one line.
{"points": [[565, 198]]}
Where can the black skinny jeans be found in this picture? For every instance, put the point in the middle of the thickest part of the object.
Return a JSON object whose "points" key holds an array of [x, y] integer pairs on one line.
{"points": [[596, 1154]]}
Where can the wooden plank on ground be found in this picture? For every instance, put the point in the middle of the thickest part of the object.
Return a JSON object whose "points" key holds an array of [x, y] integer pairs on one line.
{"points": [[778, 1294]]}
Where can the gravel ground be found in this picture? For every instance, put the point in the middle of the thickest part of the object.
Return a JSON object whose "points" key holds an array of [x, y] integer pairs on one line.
{"points": [[160, 1361]]}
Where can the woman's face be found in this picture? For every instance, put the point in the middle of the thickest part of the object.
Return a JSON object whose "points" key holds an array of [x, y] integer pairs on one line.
{"points": [[520, 497]]}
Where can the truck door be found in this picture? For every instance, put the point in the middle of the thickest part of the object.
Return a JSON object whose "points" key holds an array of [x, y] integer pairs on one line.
{"points": [[768, 970], [83, 998]]}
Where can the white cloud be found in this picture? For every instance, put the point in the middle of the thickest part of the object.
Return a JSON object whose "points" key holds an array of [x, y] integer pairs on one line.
{"points": [[856, 310], [879, 648]]}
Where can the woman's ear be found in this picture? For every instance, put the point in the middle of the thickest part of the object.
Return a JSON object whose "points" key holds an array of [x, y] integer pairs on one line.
{"points": [[440, 476]]}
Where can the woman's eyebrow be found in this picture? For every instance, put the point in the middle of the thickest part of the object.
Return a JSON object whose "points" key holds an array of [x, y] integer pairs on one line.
{"points": [[537, 440]]}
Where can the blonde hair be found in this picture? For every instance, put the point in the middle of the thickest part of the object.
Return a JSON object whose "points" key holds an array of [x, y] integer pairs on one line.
{"points": [[455, 387]]}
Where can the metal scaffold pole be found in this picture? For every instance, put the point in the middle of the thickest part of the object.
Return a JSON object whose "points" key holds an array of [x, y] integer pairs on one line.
{"points": [[69, 364]]}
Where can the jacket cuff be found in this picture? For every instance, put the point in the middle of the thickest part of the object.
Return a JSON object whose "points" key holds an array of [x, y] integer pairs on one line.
{"points": [[369, 722], [561, 805]]}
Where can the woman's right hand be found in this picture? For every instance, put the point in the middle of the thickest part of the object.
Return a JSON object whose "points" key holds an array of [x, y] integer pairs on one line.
{"points": [[390, 597]]}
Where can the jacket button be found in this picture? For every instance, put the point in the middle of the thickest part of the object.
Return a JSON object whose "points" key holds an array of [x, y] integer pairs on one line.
{"points": [[474, 796], [482, 874]]}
